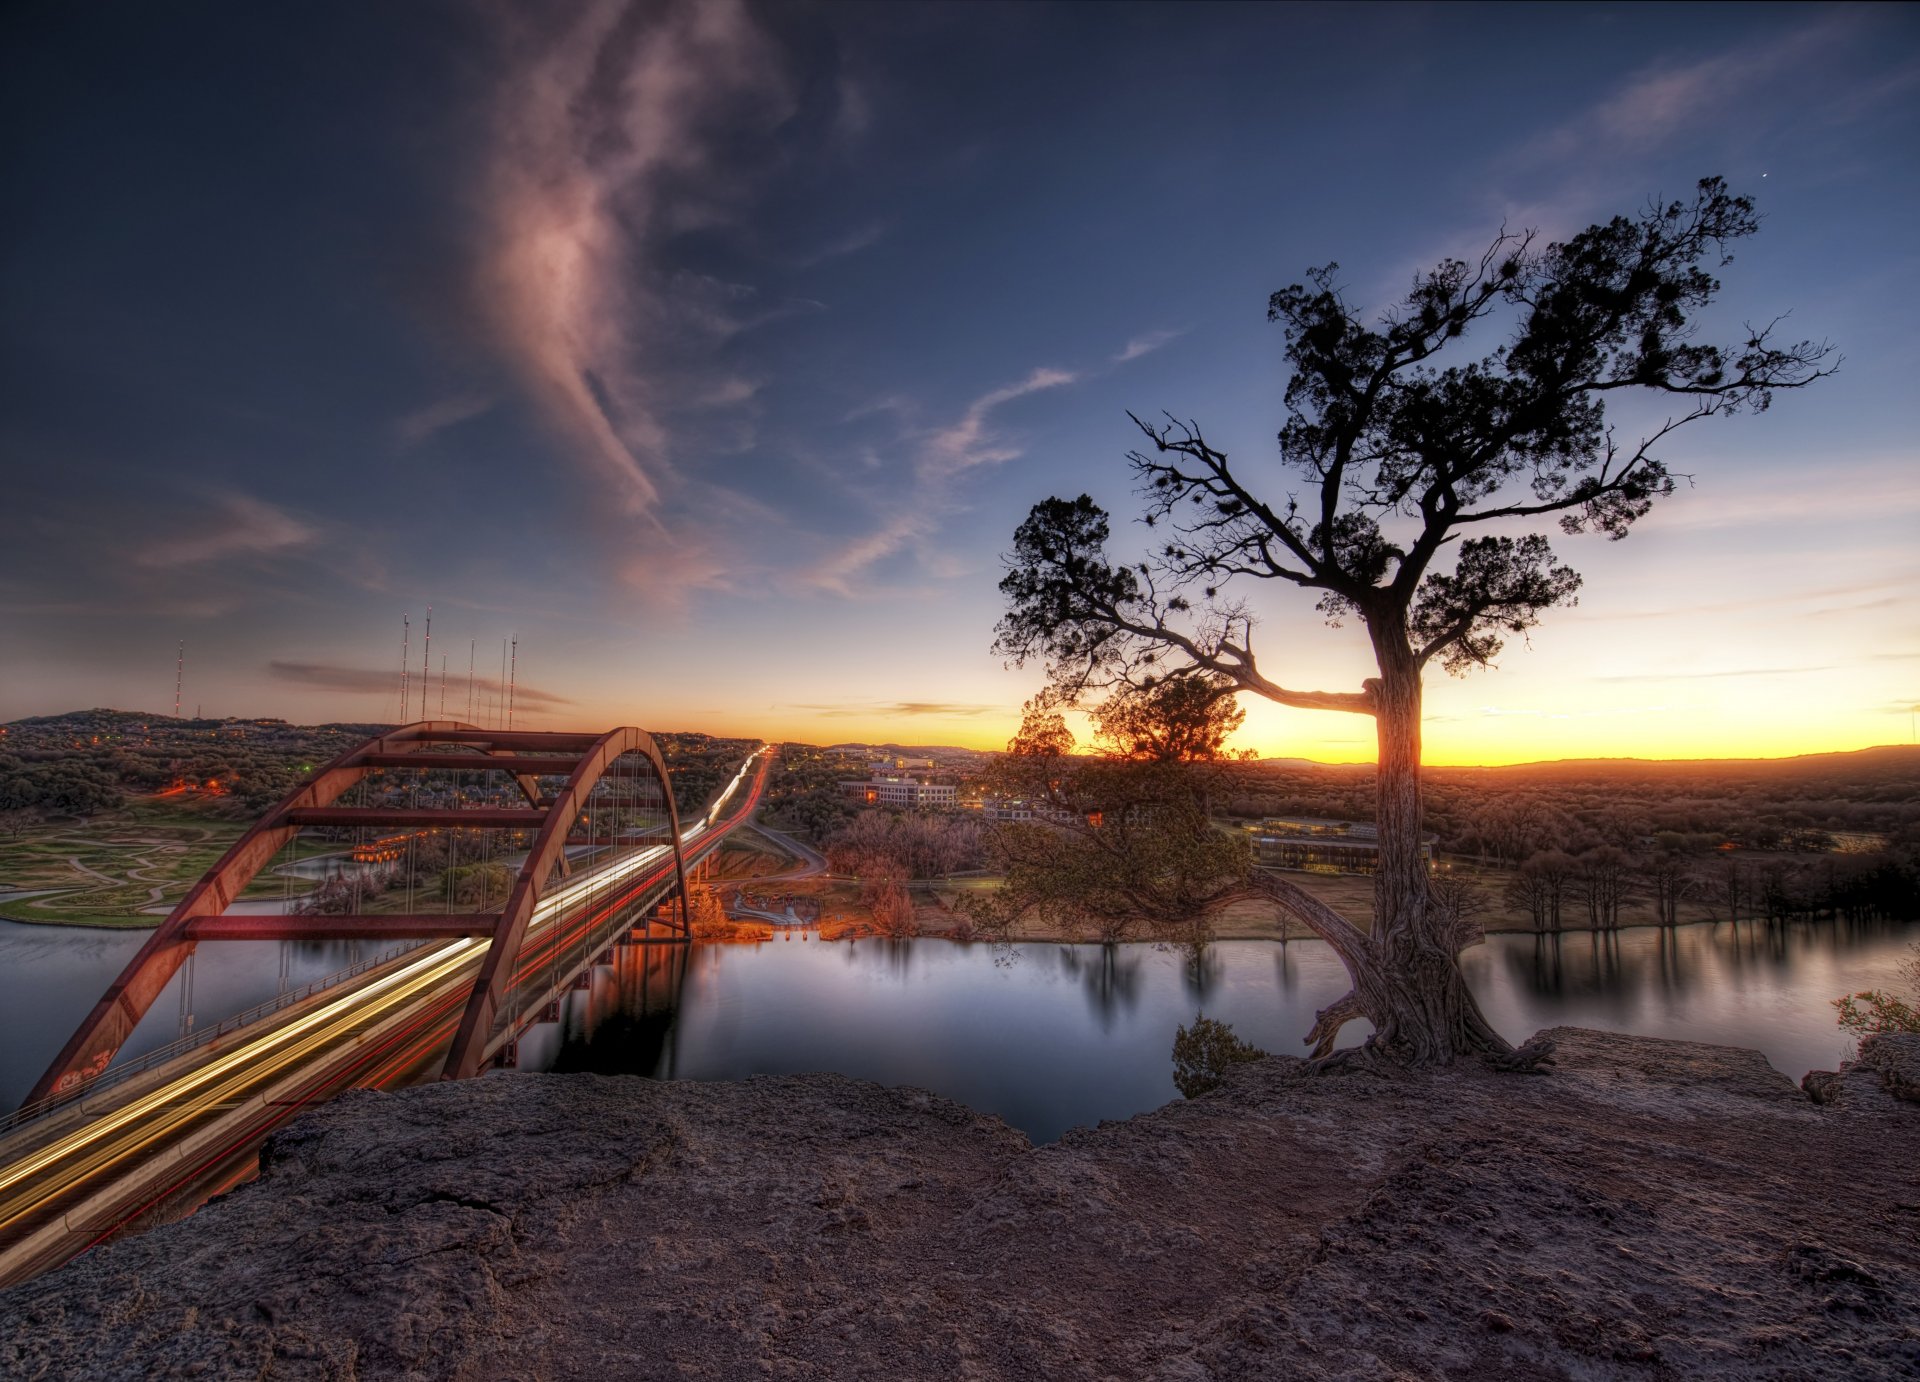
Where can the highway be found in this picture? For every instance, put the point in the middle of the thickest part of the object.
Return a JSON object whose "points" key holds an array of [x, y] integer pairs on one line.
{"points": [[170, 1141]]}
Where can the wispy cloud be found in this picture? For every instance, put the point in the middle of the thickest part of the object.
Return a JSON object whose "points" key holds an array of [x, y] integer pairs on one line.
{"points": [[971, 441], [1715, 675], [1780, 602], [606, 142], [860, 238], [1660, 103], [1503, 712], [839, 572], [1146, 345], [240, 526], [417, 426], [890, 709], [327, 676]]}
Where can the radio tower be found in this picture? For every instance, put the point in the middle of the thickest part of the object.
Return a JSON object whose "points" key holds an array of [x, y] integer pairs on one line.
{"points": [[406, 643], [426, 662], [443, 686], [472, 643], [501, 685], [513, 677], [179, 675]]}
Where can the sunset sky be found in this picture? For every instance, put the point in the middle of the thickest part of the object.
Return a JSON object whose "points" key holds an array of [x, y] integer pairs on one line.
{"points": [[715, 351]]}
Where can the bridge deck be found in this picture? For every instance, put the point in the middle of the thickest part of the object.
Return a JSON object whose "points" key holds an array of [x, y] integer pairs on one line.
{"points": [[158, 1146]]}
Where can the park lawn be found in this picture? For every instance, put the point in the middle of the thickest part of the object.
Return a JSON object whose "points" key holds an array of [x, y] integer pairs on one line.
{"points": [[111, 869]]}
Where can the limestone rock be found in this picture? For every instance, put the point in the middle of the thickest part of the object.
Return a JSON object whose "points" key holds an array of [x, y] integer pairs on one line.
{"points": [[1649, 1209]]}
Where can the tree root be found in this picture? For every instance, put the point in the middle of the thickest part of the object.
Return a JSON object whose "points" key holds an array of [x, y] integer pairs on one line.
{"points": [[1367, 1056], [1328, 1022], [1525, 1059]]}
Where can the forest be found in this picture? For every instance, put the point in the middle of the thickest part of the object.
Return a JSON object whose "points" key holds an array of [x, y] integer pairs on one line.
{"points": [[87, 762]]}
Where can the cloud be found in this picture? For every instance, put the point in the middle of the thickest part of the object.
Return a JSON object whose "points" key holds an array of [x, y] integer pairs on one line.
{"points": [[608, 141], [1495, 711], [837, 572], [944, 709], [1711, 676], [416, 427], [898, 405], [859, 238], [241, 526], [969, 442], [325, 676], [1657, 104], [1773, 601], [1146, 345]]}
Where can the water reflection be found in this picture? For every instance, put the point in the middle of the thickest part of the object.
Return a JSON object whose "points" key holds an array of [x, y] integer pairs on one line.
{"points": [[1109, 973], [1047, 1036], [50, 976]]}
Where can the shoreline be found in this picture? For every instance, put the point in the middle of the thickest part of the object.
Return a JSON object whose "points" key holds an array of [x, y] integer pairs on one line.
{"points": [[755, 932], [1454, 1222]]}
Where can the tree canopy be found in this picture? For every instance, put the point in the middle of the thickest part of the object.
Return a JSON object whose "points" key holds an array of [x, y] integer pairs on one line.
{"points": [[1402, 455], [1425, 482]]}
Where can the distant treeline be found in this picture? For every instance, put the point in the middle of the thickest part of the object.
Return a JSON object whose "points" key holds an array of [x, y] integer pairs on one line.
{"points": [[1562, 891], [90, 761], [1510, 814]]}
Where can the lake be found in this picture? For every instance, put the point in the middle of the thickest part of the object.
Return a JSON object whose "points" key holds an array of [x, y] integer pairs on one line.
{"points": [[1047, 1036]]}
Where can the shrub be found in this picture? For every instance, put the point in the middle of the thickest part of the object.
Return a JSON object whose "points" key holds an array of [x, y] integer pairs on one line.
{"points": [[1202, 1053]]}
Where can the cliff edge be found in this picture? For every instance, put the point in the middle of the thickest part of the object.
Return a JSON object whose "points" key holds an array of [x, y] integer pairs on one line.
{"points": [[1648, 1209]]}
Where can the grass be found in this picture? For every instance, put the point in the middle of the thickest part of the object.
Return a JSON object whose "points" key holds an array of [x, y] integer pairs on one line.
{"points": [[110, 870]]}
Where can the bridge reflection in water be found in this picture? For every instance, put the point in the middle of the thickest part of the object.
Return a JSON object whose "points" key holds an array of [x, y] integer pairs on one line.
{"points": [[622, 1022], [104, 1144]]}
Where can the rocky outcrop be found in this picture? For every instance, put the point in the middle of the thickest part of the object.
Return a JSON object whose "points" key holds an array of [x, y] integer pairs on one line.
{"points": [[1887, 1068], [1648, 1209]]}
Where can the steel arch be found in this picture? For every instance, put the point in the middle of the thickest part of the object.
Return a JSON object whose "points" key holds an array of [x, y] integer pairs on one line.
{"points": [[198, 917]]}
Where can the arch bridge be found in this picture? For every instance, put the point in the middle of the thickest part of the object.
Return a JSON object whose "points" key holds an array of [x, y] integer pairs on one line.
{"points": [[547, 850]]}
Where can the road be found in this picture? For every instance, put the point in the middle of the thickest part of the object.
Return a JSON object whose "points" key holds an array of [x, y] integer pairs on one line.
{"points": [[171, 1141]]}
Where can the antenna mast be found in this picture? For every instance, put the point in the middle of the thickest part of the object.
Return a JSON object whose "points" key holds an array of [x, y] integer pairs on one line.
{"points": [[513, 677], [406, 642], [443, 686], [472, 643], [426, 663], [179, 674]]}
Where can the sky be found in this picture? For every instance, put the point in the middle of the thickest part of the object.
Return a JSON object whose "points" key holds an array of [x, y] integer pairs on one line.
{"points": [[713, 352]]}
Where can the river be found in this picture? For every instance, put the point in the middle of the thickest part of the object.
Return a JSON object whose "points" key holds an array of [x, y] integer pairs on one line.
{"points": [[1047, 1036]]}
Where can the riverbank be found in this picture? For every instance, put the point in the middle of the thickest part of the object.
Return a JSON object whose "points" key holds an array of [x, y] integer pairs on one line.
{"points": [[1648, 1209]]}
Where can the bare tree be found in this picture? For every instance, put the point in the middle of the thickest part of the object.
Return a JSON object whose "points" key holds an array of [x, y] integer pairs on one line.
{"points": [[1670, 880], [1413, 476], [1540, 887], [1732, 880], [1604, 881]]}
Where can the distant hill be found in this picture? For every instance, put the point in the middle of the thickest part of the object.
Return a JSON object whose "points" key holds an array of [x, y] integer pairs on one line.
{"points": [[1885, 761]]}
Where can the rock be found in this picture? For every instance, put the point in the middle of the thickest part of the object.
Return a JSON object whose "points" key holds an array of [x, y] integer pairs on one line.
{"points": [[1649, 1209], [1886, 1070]]}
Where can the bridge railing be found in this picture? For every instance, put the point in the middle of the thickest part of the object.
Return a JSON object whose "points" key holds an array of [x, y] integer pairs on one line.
{"points": [[119, 1073]]}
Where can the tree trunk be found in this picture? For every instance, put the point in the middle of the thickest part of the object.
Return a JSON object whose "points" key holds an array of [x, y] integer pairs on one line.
{"points": [[1406, 972], [1409, 984]]}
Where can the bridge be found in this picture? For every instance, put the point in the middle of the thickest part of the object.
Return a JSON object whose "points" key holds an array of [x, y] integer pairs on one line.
{"points": [[103, 1144]]}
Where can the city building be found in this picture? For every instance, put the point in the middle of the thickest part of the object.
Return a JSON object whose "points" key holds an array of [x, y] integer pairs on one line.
{"points": [[1317, 845], [904, 793]]}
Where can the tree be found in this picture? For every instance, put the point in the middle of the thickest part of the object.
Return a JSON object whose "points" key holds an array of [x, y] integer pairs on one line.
{"points": [[1732, 879], [1540, 887], [1204, 1052], [1178, 719], [1418, 479], [1671, 880], [1883, 1010], [1604, 881], [707, 913], [1117, 843]]}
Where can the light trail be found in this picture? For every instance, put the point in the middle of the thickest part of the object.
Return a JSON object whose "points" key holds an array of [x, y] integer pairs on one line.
{"points": [[65, 1167]]}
